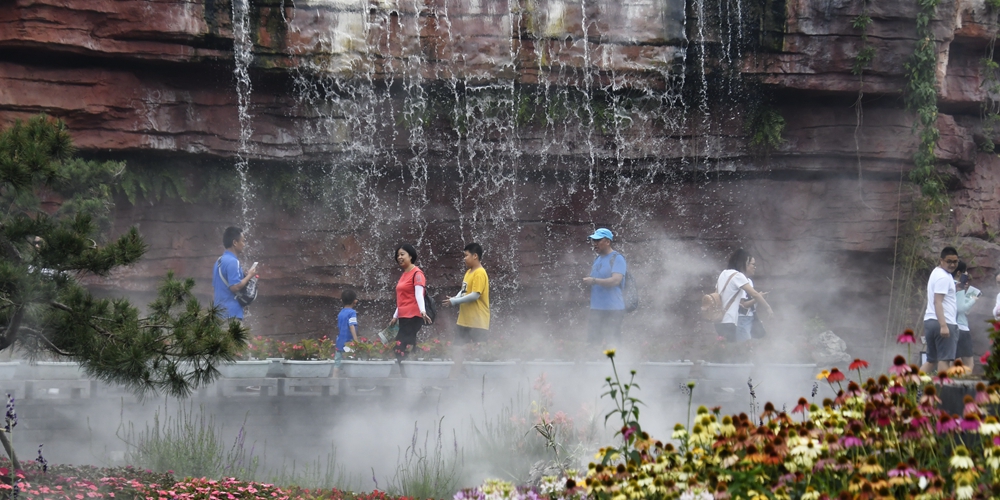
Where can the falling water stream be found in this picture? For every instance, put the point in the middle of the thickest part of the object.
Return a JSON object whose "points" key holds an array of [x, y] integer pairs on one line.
{"points": [[392, 113]]}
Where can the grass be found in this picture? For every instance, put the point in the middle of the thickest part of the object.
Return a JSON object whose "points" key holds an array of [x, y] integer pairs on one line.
{"points": [[428, 471], [189, 444]]}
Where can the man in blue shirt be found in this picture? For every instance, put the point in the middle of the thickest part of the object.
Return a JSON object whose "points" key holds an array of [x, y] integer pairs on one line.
{"points": [[228, 277], [607, 306]]}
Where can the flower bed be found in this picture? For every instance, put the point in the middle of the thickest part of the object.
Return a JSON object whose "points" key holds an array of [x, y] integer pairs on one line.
{"points": [[884, 438], [78, 483]]}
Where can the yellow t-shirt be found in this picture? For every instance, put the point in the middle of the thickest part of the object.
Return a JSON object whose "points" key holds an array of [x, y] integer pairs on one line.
{"points": [[475, 314]]}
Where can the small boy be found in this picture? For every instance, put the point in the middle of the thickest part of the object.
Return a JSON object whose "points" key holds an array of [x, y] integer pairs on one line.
{"points": [[473, 303], [347, 326]]}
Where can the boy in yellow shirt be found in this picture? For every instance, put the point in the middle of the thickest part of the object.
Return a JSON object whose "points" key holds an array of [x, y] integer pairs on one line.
{"points": [[473, 305]]}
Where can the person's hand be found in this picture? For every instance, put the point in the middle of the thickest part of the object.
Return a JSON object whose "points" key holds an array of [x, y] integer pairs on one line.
{"points": [[770, 313], [588, 281], [252, 269], [446, 302], [392, 321], [427, 319], [945, 332]]}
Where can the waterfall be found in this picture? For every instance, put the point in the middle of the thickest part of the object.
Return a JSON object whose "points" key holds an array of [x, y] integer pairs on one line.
{"points": [[243, 57]]}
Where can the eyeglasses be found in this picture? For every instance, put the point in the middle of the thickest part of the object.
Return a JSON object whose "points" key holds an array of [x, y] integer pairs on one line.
{"points": [[948, 261]]}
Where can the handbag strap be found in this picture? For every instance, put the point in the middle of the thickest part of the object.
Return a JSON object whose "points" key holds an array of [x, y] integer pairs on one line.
{"points": [[218, 265], [737, 294]]}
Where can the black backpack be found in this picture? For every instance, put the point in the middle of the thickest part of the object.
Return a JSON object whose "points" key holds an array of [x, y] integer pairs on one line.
{"points": [[430, 305], [630, 292]]}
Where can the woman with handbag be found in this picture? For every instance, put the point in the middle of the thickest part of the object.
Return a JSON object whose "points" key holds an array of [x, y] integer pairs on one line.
{"points": [[411, 309], [731, 285], [748, 325]]}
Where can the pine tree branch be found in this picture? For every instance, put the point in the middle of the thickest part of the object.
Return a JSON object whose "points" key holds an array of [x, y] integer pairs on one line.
{"points": [[68, 309], [47, 342], [10, 333]]}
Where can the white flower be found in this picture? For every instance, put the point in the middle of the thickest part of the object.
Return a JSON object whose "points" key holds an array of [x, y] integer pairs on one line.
{"points": [[989, 429], [922, 483], [964, 492], [696, 495]]}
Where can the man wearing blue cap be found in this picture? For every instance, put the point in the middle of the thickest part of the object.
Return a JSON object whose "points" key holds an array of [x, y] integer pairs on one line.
{"points": [[607, 307]]}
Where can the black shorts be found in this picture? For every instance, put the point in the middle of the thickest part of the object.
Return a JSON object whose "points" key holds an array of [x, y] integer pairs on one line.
{"points": [[726, 331], [964, 349], [467, 334]]}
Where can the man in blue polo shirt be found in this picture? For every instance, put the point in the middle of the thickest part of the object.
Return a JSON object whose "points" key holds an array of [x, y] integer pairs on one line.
{"points": [[228, 277], [607, 306]]}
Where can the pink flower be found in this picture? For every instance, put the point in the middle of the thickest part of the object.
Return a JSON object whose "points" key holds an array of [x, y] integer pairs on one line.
{"points": [[946, 424], [906, 337], [899, 366], [850, 441], [857, 365], [970, 423]]}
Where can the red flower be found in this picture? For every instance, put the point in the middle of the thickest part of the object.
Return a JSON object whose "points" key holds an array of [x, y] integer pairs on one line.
{"points": [[857, 365], [835, 375], [802, 407], [906, 337], [985, 358]]}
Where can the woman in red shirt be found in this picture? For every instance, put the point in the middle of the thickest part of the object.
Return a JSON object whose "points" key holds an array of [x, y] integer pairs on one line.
{"points": [[411, 313]]}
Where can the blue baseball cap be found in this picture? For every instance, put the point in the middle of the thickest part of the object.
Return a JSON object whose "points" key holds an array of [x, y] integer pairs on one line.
{"points": [[602, 233]]}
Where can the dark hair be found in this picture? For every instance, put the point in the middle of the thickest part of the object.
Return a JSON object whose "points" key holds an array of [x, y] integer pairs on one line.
{"points": [[348, 296], [409, 249], [949, 251], [475, 248], [739, 260], [230, 235], [962, 267]]}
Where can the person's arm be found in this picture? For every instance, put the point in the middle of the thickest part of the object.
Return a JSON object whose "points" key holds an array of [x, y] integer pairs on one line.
{"points": [[240, 284], [354, 332], [759, 298], [939, 311], [613, 281], [419, 291], [469, 297], [965, 301]]}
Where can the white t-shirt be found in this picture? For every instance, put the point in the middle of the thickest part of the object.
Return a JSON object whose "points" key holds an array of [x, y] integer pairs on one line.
{"points": [[732, 290], [746, 296], [996, 308], [943, 283]]}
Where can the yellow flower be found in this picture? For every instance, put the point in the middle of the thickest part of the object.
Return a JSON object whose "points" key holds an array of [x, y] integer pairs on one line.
{"points": [[870, 466], [823, 375], [610, 353]]}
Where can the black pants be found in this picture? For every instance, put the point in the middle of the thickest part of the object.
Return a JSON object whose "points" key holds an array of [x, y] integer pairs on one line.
{"points": [[407, 336]]}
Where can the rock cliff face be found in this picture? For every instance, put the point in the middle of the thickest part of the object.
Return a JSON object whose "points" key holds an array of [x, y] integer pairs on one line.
{"points": [[521, 125]]}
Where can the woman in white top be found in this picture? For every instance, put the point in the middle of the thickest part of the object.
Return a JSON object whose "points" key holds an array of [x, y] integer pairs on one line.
{"points": [[731, 284], [996, 308]]}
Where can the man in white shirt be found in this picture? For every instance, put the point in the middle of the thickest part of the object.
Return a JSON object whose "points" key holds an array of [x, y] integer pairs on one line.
{"points": [[941, 316]]}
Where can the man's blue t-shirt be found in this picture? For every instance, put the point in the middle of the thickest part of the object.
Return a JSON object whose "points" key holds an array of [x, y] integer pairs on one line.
{"points": [[607, 298], [345, 319], [224, 297]]}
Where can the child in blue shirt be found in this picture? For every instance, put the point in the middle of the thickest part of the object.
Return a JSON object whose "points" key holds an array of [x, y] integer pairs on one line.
{"points": [[347, 326]]}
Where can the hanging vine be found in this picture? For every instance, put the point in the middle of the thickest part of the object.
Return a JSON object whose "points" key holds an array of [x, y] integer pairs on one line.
{"points": [[921, 98], [990, 108]]}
